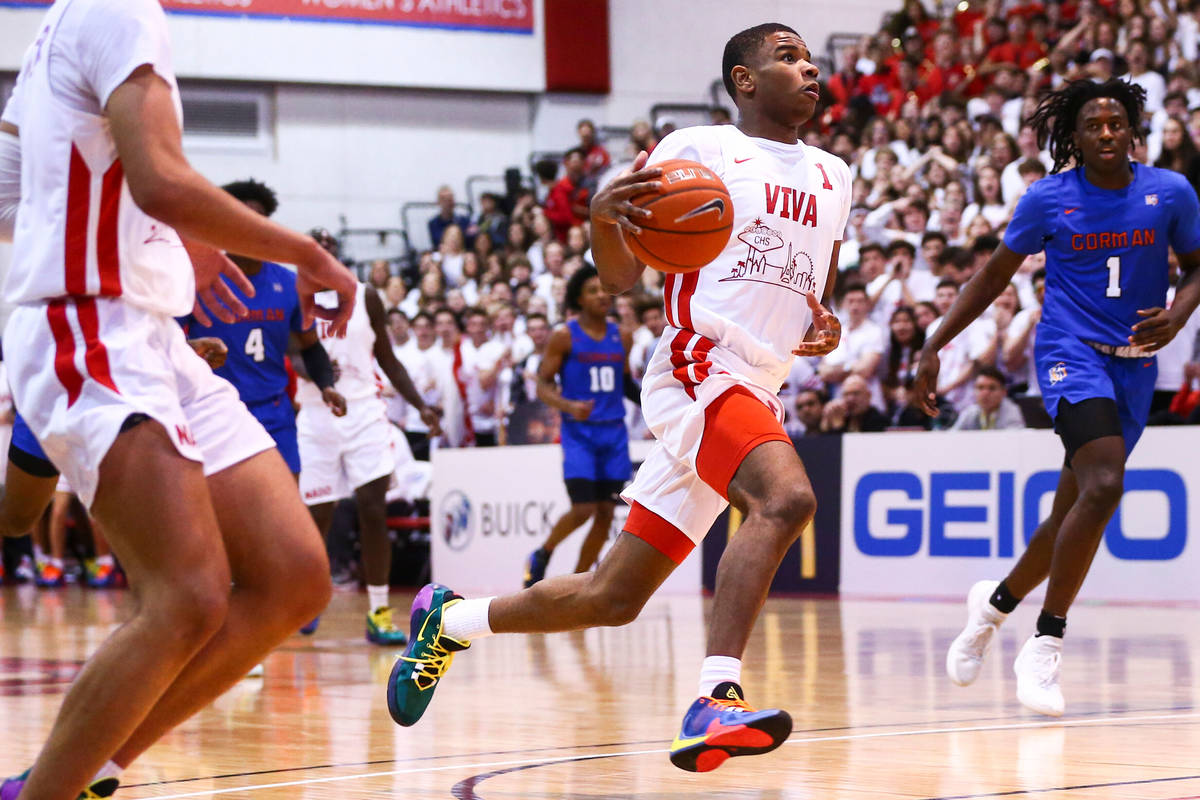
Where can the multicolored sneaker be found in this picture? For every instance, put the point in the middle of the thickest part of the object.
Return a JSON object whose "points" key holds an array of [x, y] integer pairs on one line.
{"points": [[535, 566], [380, 629], [25, 572], [49, 576], [723, 725], [104, 787], [311, 627], [101, 576], [430, 652]]}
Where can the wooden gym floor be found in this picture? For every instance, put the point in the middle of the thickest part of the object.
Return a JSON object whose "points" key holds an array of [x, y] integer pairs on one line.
{"points": [[588, 716]]}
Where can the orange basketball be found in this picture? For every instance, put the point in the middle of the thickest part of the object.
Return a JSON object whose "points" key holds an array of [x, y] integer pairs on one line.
{"points": [[693, 217]]}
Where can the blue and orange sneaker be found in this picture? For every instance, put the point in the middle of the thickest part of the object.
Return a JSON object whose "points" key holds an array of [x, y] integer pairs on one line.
{"points": [[101, 575], [723, 725], [311, 627], [104, 787], [535, 566], [416, 673], [50, 576]]}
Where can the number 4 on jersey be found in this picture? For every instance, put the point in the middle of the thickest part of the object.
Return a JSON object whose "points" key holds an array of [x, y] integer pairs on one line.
{"points": [[254, 345]]}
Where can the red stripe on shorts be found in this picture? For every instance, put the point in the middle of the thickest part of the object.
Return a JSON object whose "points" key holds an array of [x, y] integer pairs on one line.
{"points": [[689, 282], [96, 354], [658, 533], [64, 350], [668, 293], [107, 254], [79, 199], [690, 366]]}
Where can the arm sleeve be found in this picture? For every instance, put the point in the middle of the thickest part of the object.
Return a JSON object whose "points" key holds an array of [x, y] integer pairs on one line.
{"points": [[1184, 233], [124, 35], [1029, 228]]}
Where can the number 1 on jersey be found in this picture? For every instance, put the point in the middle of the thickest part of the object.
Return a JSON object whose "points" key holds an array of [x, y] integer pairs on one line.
{"points": [[1114, 277], [254, 345]]}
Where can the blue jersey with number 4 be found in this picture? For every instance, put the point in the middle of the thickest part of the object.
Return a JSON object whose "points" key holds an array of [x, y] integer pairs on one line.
{"points": [[258, 344], [595, 370], [1106, 249]]}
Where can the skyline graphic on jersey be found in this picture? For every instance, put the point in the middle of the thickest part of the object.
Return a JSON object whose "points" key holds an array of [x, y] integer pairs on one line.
{"points": [[796, 273]]}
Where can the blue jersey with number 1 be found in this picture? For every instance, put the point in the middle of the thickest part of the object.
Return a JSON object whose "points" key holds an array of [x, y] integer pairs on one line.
{"points": [[258, 344], [1106, 249], [595, 370]]}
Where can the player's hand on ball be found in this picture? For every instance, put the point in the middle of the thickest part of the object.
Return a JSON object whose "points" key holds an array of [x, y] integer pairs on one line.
{"points": [[826, 327], [333, 398], [580, 410], [211, 349], [1158, 326], [611, 204], [213, 295], [924, 390], [432, 417]]}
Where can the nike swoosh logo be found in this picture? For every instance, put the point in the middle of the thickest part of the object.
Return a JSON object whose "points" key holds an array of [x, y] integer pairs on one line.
{"points": [[679, 744], [717, 204], [1070, 210], [741, 160]]}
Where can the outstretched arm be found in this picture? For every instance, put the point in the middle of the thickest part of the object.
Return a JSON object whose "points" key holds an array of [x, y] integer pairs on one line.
{"points": [[391, 366]]}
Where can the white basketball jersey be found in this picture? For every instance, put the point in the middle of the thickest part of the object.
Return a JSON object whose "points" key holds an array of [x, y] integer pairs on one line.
{"points": [[353, 354], [78, 231], [790, 204]]}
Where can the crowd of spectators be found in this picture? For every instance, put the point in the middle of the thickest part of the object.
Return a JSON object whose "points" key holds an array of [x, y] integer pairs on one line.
{"points": [[931, 115]]}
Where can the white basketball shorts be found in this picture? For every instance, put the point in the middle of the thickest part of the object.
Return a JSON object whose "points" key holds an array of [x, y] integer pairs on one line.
{"points": [[340, 454], [80, 367]]}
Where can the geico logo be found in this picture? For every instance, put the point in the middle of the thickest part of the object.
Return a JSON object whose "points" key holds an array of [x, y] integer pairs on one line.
{"points": [[907, 505], [531, 518]]}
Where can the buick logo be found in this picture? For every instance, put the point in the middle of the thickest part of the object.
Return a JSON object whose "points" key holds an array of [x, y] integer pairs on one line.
{"points": [[456, 520]]}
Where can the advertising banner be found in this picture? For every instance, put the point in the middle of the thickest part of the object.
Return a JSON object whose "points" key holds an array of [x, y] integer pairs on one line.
{"points": [[491, 507], [505, 16], [930, 514]]}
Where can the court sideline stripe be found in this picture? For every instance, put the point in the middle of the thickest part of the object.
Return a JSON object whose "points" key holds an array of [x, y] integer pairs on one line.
{"points": [[529, 762], [634, 743]]}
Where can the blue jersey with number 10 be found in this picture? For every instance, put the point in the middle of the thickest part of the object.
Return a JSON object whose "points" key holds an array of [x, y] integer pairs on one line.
{"points": [[595, 370], [1106, 249], [258, 344]]}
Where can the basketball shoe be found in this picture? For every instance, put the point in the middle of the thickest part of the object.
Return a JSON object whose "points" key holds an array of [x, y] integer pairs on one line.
{"points": [[535, 566], [417, 673], [50, 575], [380, 629], [104, 787], [723, 725], [1037, 668], [311, 627], [101, 576], [965, 656]]}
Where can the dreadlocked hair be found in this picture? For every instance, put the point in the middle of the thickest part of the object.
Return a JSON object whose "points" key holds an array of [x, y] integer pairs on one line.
{"points": [[1057, 114]]}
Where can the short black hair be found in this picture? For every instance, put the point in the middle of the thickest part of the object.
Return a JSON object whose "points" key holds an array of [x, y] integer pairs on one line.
{"points": [[1058, 114], [252, 190], [536, 315], [575, 285], [425, 315], [901, 244], [987, 243], [930, 236], [476, 311], [988, 371], [854, 287], [944, 282], [741, 46], [870, 247]]}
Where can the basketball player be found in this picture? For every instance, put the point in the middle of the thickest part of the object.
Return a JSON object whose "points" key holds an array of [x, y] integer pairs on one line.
{"points": [[710, 398], [352, 452], [258, 343], [1105, 225], [185, 482], [589, 356]]}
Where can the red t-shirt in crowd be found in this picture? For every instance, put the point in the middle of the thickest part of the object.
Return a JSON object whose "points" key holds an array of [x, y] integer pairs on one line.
{"points": [[563, 195]]}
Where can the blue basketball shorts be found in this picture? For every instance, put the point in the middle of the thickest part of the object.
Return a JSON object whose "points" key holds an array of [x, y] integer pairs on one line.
{"points": [[1069, 369], [596, 451], [279, 418]]}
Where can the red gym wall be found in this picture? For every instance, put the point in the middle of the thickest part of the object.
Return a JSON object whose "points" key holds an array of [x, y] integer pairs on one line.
{"points": [[577, 46]]}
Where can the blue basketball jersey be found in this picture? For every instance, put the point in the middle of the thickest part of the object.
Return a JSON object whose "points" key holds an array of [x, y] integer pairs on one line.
{"points": [[595, 370], [258, 344], [1106, 249]]}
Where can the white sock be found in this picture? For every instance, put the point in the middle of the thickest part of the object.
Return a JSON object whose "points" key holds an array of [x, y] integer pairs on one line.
{"points": [[377, 596], [110, 770], [718, 669], [57, 563], [468, 620]]}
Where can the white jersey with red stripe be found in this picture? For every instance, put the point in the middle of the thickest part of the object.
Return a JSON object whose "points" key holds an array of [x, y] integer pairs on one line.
{"points": [[790, 203], [353, 355], [78, 231]]}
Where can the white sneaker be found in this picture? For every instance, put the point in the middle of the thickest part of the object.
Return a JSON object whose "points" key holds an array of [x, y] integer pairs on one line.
{"points": [[1037, 675], [257, 671], [965, 656]]}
